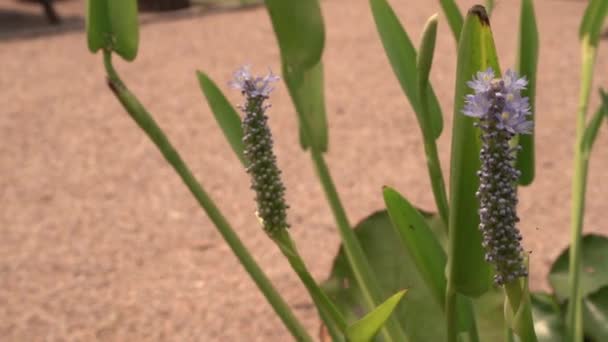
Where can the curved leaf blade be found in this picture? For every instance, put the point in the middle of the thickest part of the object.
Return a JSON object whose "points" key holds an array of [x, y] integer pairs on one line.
{"points": [[468, 271], [527, 63], [593, 18], [225, 115], [402, 57], [420, 242], [452, 13], [98, 25], [367, 327]]}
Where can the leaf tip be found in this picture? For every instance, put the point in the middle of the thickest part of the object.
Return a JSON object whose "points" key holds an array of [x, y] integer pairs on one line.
{"points": [[481, 13]]}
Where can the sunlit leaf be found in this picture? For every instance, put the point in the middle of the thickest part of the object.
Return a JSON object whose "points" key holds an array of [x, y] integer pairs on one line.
{"points": [[225, 115], [367, 327]]}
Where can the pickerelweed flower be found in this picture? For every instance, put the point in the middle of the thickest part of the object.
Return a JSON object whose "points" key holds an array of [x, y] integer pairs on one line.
{"points": [[260, 158], [502, 113]]}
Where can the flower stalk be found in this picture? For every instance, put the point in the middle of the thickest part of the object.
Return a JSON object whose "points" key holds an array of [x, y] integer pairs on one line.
{"points": [[269, 190]]}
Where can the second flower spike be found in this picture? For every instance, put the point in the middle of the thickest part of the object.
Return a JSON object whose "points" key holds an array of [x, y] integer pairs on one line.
{"points": [[259, 155]]}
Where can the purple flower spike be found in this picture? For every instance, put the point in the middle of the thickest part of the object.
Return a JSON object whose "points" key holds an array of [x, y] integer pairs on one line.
{"points": [[502, 113]]}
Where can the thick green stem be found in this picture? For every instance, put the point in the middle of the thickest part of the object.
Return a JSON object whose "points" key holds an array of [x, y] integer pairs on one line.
{"points": [[354, 253], [332, 317], [579, 183], [154, 132]]}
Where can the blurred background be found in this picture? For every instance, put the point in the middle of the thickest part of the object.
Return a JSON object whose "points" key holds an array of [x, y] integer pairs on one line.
{"points": [[99, 239]]}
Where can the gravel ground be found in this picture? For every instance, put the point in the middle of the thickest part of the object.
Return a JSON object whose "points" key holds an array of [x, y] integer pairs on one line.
{"points": [[101, 241]]}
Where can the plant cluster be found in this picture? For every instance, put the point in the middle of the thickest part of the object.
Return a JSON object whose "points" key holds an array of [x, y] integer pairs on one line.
{"points": [[465, 264]]}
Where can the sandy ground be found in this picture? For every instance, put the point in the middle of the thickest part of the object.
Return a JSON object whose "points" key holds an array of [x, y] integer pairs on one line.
{"points": [[101, 241]]}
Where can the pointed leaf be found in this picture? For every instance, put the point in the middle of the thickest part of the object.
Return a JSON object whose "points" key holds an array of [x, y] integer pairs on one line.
{"points": [[591, 26], [367, 327], [452, 13], [420, 242], [594, 273], [591, 131], [421, 317], [526, 66], [469, 273], [402, 56], [225, 115]]}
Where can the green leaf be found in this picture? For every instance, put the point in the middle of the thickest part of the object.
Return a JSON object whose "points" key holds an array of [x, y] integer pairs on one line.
{"points": [[298, 26], [125, 27], [489, 315], [468, 271], [98, 27], [595, 314], [224, 114], [427, 50], [452, 13], [594, 273], [421, 317], [490, 6], [593, 18], [367, 327], [591, 131], [420, 242], [307, 93], [402, 56], [113, 24], [527, 63], [548, 318]]}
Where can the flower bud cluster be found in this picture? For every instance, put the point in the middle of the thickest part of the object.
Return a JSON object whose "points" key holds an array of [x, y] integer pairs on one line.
{"points": [[261, 161], [502, 113]]}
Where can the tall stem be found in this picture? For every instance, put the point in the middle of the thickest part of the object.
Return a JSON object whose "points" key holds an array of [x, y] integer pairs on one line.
{"points": [[354, 253], [154, 132], [451, 314], [579, 183], [332, 317]]}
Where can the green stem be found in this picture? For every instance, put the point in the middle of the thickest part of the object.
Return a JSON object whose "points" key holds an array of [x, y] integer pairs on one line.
{"points": [[451, 314], [333, 318], [579, 183], [354, 253], [154, 132], [432, 159]]}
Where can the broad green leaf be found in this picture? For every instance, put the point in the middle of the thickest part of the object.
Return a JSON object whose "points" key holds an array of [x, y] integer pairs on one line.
{"points": [[307, 93], [367, 327], [468, 271], [224, 114], [420, 242], [298, 26], [402, 56], [489, 315], [592, 129], [593, 18], [125, 27], [99, 31], [452, 13], [421, 317], [594, 273], [595, 315], [527, 62], [548, 318]]}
